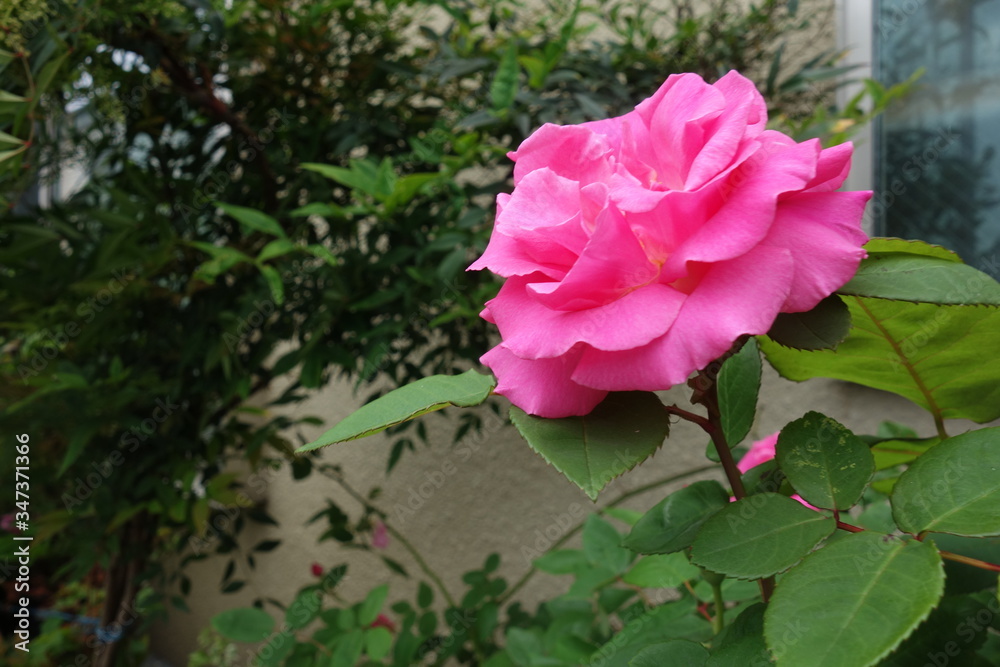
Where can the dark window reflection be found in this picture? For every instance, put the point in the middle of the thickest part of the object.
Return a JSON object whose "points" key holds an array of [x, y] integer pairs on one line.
{"points": [[937, 174]]}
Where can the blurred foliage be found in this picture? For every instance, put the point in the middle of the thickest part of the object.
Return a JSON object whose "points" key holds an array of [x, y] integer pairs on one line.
{"points": [[202, 197]]}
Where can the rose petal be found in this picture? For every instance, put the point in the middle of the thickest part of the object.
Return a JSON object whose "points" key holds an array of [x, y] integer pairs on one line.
{"points": [[740, 296], [533, 331], [612, 263], [822, 231], [541, 387], [571, 151], [748, 208]]}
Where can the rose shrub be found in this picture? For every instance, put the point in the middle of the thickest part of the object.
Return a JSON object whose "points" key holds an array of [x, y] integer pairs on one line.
{"points": [[639, 248]]}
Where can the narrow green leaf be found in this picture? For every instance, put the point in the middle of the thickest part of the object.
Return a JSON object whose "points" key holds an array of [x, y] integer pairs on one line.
{"points": [[914, 350], [385, 179], [677, 653], [672, 523], [503, 90], [738, 386], [253, 219], [248, 624], [923, 279], [853, 601], [10, 139], [352, 178], [953, 488], [822, 328], [759, 536], [408, 402], [621, 432], [10, 97], [274, 283], [825, 463], [276, 248]]}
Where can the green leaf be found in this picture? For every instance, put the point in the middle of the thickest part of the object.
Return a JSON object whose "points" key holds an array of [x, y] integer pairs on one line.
{"points": [[385, 179], [738, 386], [355, 177], [602, 545], [822, 328], [408, 402], [759, 536], [562, 561], [425, 595], [853, 601], [304, 608], [673, 620], [923, 279], [275, 651], [10, 97], [248, 624], [274, 283], [889, 244], [621, 432], [953, 488], [824, 462], [372, 605], [503, 90], [349, 648], [929, 354], [661, 571], [10, 139], [253, 219], [676, 653], [378, 642], [743, 642], [672, 524], [276, 248], [948, 637]]}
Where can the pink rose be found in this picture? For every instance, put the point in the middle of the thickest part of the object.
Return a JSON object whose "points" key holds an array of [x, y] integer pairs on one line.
{"points": [[380, 536], [639, 248], [761, 451]]}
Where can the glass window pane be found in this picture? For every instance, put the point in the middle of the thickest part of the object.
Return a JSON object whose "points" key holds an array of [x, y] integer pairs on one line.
{"points": [[937, 171]]}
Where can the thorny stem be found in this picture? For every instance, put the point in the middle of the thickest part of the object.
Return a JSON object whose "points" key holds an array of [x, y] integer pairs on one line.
{"points": [[706, 393], [958, 558], [417, 557]]}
